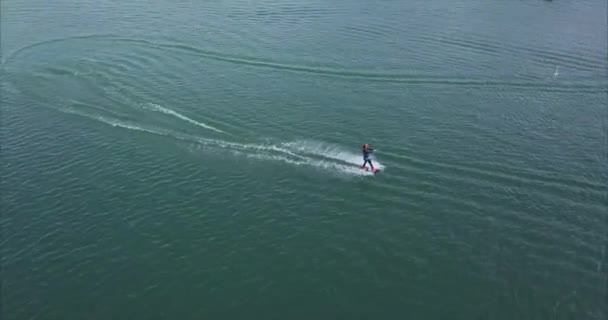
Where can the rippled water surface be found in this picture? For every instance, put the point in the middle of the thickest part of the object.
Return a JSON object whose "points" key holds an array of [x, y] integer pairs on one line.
{"points": [[199, 159]]}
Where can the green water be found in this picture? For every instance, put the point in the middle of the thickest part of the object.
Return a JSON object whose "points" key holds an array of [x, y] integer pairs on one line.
{"points": [[198, 159]]}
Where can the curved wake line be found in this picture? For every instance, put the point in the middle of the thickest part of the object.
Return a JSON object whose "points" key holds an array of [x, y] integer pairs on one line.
{"points": [[397, 78], [342, 161], [17, 52], [543, 55], [161, 109]]}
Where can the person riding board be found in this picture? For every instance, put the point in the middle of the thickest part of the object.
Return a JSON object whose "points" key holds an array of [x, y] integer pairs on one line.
{"points": [[366, 149]]}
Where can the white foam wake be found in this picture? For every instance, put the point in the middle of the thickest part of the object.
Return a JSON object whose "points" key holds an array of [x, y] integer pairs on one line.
{"points": [[161, 109], [300, 153], [115, 123], [323, 150]]}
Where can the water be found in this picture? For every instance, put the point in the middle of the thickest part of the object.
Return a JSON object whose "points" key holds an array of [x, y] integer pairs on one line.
{"points": [[191, 160]]}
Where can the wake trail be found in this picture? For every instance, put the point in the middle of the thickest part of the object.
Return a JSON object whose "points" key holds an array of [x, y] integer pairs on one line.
{"points": [[318, 149], [115, 123], [318, 155], [161, 109], [320, 164]]}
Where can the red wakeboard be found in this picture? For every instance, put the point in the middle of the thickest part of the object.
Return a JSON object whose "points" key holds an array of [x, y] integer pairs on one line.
{"points": [[375, 170]]}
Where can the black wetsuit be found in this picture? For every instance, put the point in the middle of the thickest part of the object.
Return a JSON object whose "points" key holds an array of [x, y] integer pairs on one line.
{"points": [[366, 159]]}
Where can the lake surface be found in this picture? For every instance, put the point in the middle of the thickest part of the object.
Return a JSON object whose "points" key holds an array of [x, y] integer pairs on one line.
{"points": [[199, 159]]}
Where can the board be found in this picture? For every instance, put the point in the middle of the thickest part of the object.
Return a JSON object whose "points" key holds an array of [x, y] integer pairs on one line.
{"points": [[376, 170]]}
